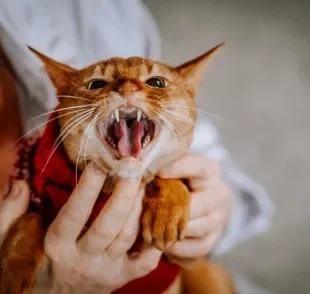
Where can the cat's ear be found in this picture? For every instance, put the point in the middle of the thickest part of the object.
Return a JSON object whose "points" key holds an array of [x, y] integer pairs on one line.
{"points": [[58, 72], [193, 70]]}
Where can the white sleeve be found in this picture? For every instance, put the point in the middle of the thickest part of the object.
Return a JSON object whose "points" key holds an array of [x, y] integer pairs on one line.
{"points": [[151, 31], [34, 86], [77, 41], [252, 210]]}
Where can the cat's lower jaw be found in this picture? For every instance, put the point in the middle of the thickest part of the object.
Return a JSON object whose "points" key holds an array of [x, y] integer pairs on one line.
{"points": [[127, 168]]}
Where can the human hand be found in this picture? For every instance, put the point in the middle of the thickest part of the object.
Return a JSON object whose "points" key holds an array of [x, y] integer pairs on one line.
{"points": [[13, 204], [98, 261], [210, 206]]}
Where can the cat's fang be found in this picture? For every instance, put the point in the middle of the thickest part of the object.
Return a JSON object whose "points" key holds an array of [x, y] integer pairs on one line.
{"points": [[139, 114], [116, 113]]}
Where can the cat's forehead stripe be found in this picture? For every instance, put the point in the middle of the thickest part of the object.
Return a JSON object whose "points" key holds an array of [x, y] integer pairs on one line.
{"points": [[133, 66], [97, 73]]}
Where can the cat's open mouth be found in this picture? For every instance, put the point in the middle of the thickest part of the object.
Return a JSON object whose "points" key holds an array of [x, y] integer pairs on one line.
{"points": [[128, 130]]}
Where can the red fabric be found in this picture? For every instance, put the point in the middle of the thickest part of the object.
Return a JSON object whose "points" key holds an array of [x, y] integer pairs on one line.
{"points": [[52, 188]]}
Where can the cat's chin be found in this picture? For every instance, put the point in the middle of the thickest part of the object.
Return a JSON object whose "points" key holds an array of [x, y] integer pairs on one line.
{"points": [[130, 167]]}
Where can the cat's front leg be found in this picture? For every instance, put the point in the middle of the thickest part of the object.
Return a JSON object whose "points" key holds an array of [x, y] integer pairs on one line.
{"points": [[21, 254], [165, 212]]}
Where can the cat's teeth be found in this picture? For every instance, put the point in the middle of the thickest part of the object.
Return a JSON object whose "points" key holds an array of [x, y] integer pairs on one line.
{"points": [[111, 141], [116, 113], [112, 115], [139, 114], [146, 141]]}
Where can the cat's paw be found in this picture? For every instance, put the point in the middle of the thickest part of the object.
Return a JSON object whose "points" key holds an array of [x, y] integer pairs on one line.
{"points": [[165, 212]]}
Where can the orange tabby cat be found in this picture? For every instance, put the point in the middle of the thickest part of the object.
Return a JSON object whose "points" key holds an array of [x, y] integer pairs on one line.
{"points": [[138, 110]]}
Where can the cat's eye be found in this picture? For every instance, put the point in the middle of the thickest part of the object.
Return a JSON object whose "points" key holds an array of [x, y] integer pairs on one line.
{"points": [[97, 84], [156, 82]]}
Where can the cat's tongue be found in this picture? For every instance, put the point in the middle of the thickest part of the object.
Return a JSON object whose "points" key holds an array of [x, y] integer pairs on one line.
{"points": [[129, 143]]}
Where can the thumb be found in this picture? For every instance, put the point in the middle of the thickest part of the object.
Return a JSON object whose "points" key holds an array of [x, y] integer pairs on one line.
{"points": [[146, 261], [14, 205]]}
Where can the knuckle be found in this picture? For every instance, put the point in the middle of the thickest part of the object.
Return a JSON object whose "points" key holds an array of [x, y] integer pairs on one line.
{"points": [[59, 252], [73, 216], [129, 196], [203, 172], [52, 245], [204, 248], [210, 168], [197, 231], [103, 232], [108, 254], [127, 234], [202, 251], [89, 183], [121, 210], [208, 242]]}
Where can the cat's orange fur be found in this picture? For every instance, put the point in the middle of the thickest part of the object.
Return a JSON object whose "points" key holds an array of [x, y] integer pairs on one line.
{"points": [[166, 202]]}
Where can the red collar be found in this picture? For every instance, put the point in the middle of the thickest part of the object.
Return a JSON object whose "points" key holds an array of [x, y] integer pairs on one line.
{"points": [[55, 181], [52, 188]]}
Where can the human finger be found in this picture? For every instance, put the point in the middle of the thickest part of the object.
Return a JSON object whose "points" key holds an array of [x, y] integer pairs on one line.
{"points": [[112, 217], [75, 213]]}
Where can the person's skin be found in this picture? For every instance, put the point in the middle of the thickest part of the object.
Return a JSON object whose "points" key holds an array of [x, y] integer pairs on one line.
{"points": [[210, 207], [106, 246], [98, 262]]}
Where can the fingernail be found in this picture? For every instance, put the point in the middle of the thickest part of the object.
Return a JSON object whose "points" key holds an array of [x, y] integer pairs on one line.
{"points": [[163, 173], [133, 179], [15, 191], [97, 168]]}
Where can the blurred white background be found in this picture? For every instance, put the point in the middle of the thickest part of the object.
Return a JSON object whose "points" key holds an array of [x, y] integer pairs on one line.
{"points": [[259, 86]]}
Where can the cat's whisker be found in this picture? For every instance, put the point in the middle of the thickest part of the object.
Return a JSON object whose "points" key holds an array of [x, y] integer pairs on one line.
{"points": [[73, 83], [61, 109], [168, 123], [193, 108], [77, 123], [89, 130], [73, 97], [36, 128], [95, 122], [85, 135], [71, 121], [80, 151], [186, 119]]}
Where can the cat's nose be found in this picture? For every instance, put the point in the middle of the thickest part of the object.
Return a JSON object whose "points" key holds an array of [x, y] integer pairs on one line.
{"points": [[127, 88]]}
